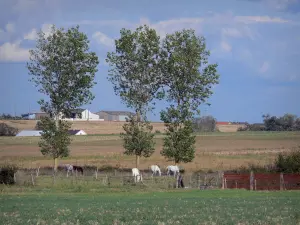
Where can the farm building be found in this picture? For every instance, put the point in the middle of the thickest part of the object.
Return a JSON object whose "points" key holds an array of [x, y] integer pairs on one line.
{"points": [[114, 115], [29, 133], [34, 115], [77, 132], [82, 114]]}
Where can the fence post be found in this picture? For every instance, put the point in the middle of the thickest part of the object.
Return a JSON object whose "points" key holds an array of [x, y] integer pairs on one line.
{"points": [[223, 181], [281, 182], [96, 173], [251, 180], [198, 180]]}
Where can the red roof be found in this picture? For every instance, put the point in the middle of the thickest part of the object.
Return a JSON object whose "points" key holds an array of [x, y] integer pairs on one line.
{"points": [[222, 123]]}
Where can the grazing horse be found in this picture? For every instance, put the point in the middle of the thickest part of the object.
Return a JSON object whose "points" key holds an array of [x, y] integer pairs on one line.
{"points": [[155, 169], [78, 169], [173, 169], [136, 174], [71, 168]]}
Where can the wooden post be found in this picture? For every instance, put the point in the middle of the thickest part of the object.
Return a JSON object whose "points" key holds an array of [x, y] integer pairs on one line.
{"points": [[236, 186], [96, 173], [251, 180], [255, 184], [281, 182], [198, 180], [223, 182], [15, 178], [32, 179], [205, 180], [37, 171]]}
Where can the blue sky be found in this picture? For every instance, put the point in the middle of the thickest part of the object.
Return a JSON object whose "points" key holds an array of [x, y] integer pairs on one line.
{"points": [[255, 42]]}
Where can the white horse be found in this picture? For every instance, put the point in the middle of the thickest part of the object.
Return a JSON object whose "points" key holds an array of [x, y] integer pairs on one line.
{"points": [[69, 168], [155, 169], [136, 174], [173, 169]]}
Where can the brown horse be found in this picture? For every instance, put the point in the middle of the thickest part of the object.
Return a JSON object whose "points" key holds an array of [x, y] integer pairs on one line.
{"points": [[78, 169]]}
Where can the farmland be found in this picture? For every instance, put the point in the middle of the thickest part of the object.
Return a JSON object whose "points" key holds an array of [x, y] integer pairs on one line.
{"points": [[215, 151], [174, 207]]}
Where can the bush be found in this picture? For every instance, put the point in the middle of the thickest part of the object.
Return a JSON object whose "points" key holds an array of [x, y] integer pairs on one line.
{"points": [[252, 127], [39, 125], [6, 130], [157, 132], [7, 174], [204, 124], [288, 163]]}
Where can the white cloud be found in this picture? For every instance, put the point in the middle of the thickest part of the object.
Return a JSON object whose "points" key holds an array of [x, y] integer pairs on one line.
{"points": [[240, 32], [226, 46], [13, 52], [259, 19], [10, 28], [32, 35], [264, 67], [103, 39]]}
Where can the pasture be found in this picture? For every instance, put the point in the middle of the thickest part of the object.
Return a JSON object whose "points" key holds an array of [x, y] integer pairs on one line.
{"points": [[174, 207], [214, 151]]}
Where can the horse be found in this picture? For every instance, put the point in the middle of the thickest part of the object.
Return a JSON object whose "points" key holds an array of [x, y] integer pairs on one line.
{"points": [[173, 169], [71, 168], [136, 174], [155, 169]]}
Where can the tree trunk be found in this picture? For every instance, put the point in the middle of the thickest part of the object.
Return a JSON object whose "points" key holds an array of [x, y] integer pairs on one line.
{"points": [[55, 164], [56, 159], [137, 161]]}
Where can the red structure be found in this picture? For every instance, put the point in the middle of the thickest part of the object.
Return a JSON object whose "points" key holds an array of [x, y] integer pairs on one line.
{"points": [[261, 181]]}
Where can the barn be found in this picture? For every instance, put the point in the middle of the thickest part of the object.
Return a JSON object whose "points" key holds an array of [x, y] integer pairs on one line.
{"points": [[29, 133], [77, 132], [114, 115], [82, 114]]}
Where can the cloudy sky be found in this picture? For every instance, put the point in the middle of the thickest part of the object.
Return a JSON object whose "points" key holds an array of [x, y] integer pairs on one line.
{"points": [[255, 42]]}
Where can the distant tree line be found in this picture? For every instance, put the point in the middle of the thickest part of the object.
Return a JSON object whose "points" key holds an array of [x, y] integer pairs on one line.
{"points": [[9, 117], [287, 122], [204, 124]]}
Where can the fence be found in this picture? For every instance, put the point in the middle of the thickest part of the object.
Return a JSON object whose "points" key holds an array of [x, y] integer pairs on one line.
{"points": [[261, 181], [114, 178]]}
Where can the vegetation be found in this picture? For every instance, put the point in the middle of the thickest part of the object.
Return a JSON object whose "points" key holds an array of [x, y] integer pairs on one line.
{"points": [[288, 163], [186, 86], [6, 130], [135, 75], [55, 140], [7, 173], [10, 117], [204, 124], [138, 138], [182, 207], [287, 122], [63, 68]]}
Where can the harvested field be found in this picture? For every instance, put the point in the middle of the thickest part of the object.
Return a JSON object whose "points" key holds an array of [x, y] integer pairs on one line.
{"points": [[214, 151], [102, 127]]}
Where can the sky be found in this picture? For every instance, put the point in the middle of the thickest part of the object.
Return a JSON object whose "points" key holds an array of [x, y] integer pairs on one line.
{"points": [[256, 44]]}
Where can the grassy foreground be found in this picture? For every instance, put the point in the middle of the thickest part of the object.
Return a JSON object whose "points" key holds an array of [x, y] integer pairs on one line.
{"points": [[177, 207]]}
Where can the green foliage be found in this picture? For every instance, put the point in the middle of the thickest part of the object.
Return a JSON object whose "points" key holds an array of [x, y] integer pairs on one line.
{"points": [[138, 139], [287, 122], [39, 125], [179, 143], [188, 77], [135, 67], [252, 127], [288, 163], [6, 130], [7, 174], [188, 80], [63, 68], [204, 124], [55, 139], [9, 117]]}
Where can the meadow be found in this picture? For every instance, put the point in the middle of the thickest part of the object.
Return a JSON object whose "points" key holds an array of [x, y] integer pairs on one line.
{"points": [[159, 208], [214, 151]]}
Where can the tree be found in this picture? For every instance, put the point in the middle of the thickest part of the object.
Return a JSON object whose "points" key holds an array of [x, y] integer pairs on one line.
{"points": [[55, 139], [188, 80], [63, 68], [6, 130], [136, 76], [204, 124], [138, 139]]}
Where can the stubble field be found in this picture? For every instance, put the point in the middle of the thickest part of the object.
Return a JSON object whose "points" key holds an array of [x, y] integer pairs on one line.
{"points": [[215, 151]]}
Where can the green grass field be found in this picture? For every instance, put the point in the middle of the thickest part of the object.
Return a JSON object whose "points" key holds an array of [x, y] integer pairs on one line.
{"points": [[177, 207]]}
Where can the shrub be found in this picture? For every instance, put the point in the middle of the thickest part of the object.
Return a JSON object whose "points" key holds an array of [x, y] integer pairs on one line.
{"points": [[6, 130], [288, 163], [157, 132], [204, 124], [7, 174], [39, 125]]}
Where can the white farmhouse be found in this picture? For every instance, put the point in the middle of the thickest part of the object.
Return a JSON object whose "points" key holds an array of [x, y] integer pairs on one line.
{"points": [[82, 114]]}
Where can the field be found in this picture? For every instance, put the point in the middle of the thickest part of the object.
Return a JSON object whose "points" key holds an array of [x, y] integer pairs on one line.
{"points": [[101, 127], [215, 151], [176, 207]]}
